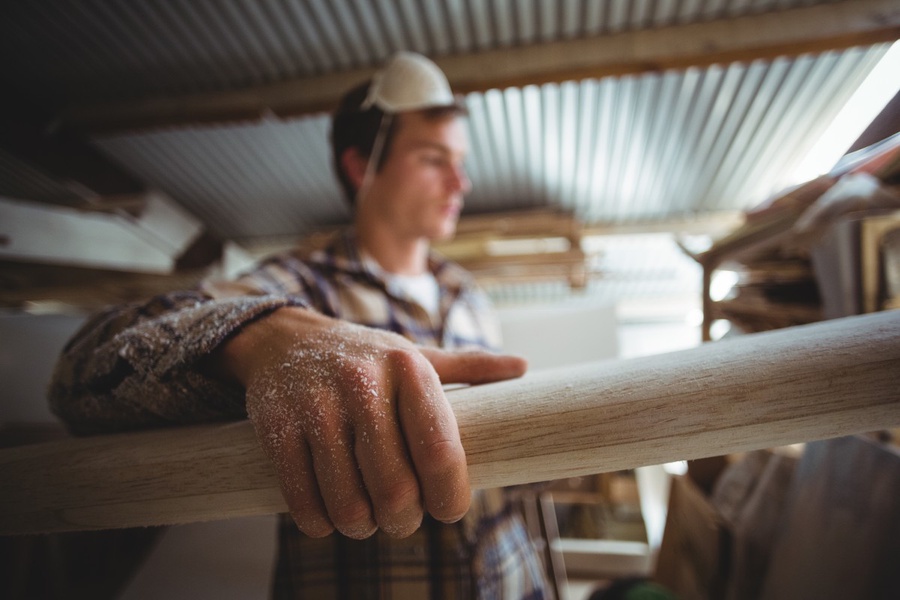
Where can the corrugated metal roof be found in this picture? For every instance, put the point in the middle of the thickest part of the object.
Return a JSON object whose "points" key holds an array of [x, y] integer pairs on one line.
{"points": [[92, 49], [244, 181], [657, 146], [18, 179], [616, 150]]}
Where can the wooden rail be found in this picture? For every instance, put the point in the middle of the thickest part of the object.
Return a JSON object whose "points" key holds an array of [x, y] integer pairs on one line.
{"points": [[818, 381]]}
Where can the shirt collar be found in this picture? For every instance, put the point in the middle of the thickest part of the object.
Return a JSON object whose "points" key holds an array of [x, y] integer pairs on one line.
{"points": [[344, 254]]}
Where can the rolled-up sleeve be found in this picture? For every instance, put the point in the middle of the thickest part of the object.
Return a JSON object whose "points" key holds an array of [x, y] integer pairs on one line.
{"points": [[141, 365]]}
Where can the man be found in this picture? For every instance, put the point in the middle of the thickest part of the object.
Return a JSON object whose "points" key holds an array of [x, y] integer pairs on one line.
{"points": [[353, 418]]}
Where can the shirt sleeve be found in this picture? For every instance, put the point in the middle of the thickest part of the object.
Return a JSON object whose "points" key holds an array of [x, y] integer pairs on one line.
{"points": [[140, 365]]}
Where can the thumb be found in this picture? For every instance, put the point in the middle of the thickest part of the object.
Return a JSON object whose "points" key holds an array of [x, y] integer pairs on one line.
{"points": [[474, 366]]}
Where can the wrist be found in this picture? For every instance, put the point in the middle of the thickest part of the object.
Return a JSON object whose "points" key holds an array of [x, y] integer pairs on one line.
{"points": [[253, 345]]}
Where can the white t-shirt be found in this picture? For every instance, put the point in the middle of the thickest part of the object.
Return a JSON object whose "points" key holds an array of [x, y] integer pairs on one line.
{"points": [[423, 289]]}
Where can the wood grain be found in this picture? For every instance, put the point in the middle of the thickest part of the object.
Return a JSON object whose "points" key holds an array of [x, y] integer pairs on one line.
{"points": [[814, 382]]}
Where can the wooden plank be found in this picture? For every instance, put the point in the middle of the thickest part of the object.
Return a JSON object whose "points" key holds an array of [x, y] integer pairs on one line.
{"points": [[61, 235], [541, 222], [871, 257], [793, 385], [553, 259], [85, 289], [717, 223], [780, 33]]}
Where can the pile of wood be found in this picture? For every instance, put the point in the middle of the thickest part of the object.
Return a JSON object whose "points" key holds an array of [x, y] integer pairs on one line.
{"points": [[520, 247], [773, 291], [776, 286], [527, 246], [779, 285]]}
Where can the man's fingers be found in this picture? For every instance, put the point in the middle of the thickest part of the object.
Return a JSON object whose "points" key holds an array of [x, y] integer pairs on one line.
{"points": [[294, 468], [361, 433], [340, 482], [474, 367], [379, 448], [433, 441], [282, 440], [389, 477]]}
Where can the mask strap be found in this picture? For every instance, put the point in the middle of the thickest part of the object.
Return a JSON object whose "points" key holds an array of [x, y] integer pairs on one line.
{"points": [[375, 157]]}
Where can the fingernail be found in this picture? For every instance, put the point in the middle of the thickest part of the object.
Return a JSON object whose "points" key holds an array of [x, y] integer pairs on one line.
{"points": [[452, 520], [314, 529], [404, 523], [359, 531]]}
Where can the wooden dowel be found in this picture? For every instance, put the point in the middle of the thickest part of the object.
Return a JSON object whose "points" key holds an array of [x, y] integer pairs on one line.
{"points": [[818, 381]]}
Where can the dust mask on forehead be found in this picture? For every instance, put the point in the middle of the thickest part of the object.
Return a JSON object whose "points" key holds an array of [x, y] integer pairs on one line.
{"points": [[409, 81]]}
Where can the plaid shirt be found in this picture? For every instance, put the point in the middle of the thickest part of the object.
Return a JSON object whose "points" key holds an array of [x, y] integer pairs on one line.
{"points": [[136, 366]]}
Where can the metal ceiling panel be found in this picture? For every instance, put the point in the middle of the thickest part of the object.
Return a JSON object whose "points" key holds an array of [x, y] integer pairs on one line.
{"points": [[616, 151], [19, 180], [245, 181], [66, 52], [658, 146]]}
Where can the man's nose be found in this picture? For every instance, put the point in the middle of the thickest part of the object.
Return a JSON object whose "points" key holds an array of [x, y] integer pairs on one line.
{"points": [[459, 180]]}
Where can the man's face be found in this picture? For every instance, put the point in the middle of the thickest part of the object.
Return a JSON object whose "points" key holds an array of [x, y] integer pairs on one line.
{"points": [[419, 190]]}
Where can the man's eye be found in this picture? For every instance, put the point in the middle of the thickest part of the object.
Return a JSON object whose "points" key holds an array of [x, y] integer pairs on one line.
{"points": [[434, 159]]}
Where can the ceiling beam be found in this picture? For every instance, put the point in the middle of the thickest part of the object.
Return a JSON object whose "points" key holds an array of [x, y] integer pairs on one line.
{"points": [[713, 223], [52, 288], [767, 35], [761, 36]]}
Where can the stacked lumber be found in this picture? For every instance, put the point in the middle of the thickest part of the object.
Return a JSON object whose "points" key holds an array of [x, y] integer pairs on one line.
{"points": [[520, 247], [774, 251], [773, 291]]}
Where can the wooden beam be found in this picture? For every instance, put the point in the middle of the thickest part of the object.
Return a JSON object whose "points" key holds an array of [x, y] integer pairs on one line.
{"points": [[766, 35], [532, 222], [34, 286], [783, 33], [554, 259], [715, 224], [794, 385]]}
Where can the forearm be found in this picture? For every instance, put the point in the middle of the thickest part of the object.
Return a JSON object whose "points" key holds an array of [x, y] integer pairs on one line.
{"points": [[143, 365]]}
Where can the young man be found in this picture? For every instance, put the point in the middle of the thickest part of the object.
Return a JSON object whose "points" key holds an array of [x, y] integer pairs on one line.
{"points": [[352, 416]]}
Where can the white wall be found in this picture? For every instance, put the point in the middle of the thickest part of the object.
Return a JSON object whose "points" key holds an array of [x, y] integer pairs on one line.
{"points": [[552, 336], [647, 338], [563, 334]]}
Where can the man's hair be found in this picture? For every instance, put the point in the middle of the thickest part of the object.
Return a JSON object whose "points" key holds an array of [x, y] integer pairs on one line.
{"points": [[353, 127]]}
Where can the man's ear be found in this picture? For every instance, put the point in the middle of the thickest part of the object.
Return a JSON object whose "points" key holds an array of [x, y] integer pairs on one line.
{"points": [[354, 165]]}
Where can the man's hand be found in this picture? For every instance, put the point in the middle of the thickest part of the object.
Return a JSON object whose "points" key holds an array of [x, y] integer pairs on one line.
{"points": [[356, 422]]}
